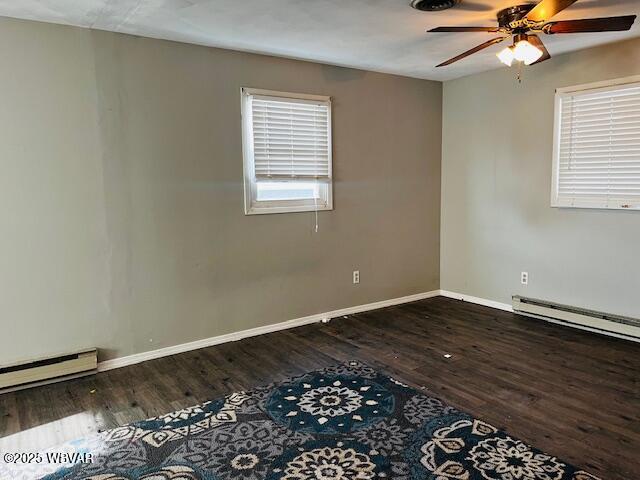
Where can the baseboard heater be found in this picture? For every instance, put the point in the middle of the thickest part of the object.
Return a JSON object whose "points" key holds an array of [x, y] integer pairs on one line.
{"points": [[616, 325], [46, 370]]}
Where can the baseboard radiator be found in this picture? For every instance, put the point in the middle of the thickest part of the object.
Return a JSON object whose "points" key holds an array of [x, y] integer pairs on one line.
{"points": [[617, 325], [46, 370]]}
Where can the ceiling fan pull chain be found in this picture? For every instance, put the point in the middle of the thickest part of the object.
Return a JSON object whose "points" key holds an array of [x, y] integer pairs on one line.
{"points": [[519, 76]]}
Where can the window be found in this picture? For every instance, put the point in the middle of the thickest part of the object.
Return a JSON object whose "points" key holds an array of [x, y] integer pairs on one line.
{"points": [[596, 155], [287, 152]]}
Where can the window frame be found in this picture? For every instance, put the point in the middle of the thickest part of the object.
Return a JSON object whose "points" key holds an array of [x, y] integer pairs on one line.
{"points": [[253, 206], [588, 203]]}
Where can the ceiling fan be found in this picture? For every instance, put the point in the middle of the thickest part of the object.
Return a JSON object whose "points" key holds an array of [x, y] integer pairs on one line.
{"points": [[525, 22]]}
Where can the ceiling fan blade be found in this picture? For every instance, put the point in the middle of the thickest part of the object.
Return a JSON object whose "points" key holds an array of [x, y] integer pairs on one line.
{"points": [[536, 42], [482, 46], [607, 24], [547, 9], [463, 29]]}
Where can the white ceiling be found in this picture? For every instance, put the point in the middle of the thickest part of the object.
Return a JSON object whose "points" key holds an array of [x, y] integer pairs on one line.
{"points": [[380, 35]]}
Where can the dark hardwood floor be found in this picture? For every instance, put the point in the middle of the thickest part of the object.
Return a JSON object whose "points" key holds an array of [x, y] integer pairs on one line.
{"points": [[570, 393]]}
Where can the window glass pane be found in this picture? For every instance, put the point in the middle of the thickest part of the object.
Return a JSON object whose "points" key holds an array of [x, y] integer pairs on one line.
{"points": [[267, 191]]}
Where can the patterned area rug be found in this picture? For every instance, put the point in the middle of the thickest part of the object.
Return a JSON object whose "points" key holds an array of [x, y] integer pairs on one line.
{"points": [[346, 422]]}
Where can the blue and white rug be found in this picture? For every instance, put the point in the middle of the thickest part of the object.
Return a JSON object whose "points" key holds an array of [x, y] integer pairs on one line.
{"points": [[346, 422]]}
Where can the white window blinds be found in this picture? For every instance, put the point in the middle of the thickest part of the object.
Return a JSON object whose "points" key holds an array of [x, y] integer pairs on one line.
{"points": [[597, 148], [291, 138]]}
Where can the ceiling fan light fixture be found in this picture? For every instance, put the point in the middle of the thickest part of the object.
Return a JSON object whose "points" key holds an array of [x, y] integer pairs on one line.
{"points": [[525, 52], [506, 56]]}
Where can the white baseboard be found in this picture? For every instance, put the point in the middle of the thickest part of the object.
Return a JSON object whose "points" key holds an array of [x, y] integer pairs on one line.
{"points": [[235, 336], [480, 301]]}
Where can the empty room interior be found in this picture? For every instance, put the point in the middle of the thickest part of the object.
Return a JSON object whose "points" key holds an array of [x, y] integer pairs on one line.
{"points": [[320, 240]]}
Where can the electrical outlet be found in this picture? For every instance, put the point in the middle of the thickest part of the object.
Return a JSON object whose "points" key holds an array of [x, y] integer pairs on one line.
{"points": [[524, 278], [356, 276]]}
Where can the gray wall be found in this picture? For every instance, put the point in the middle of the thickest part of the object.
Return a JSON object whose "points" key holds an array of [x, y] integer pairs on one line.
{"points": [[496, 183], [121, 194]]}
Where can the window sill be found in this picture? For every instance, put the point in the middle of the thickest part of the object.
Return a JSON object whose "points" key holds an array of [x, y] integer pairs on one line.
{"points": [[265, 210], [596, 206]]}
